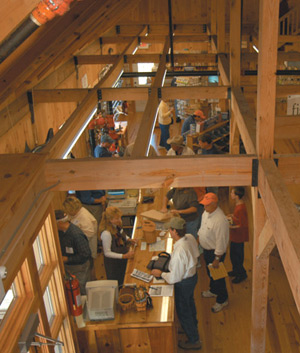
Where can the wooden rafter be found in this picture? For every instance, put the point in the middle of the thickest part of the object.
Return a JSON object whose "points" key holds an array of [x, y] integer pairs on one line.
{"points": [[140, 58], [86, 174], [130, 93], [63, 139], [147, 124]]}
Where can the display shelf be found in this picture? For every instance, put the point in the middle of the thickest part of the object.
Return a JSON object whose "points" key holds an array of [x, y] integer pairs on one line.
{"points": [[220, 128]]}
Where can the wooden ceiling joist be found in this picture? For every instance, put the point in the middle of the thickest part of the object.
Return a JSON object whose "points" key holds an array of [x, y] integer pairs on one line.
{"points": [[130, 93], [266, 241], [245, 119], [148, 172], [66, 35], [160, 29], [142, 142], [146, 58], [59, 145], [156, 38], [287, 127]]}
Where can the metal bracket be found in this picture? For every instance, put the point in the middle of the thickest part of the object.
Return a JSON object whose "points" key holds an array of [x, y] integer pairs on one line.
{"points": [[99, 94], [159, 92], [30, 103], [101, 43], [229, 93], [149, 91], [276, 160], [139, 40], [118, 29], [254, 181], [76, 66], [204, 28], [125, 59]]}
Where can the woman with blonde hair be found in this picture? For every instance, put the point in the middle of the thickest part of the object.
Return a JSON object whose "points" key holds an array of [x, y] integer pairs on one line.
{"points": [[116, 244], [83, 219]]}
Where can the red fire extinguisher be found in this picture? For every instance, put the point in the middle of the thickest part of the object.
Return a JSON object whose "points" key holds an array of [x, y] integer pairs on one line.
{"points": [[73, 295]]}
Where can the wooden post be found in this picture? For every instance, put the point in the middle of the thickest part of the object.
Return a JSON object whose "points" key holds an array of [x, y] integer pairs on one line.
{"points": [[235, 67], [221, 26], [266, 95], [213, 17]]}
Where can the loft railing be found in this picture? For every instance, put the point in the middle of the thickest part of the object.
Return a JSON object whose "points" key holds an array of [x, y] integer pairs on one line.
{"points": [[289, 24]]}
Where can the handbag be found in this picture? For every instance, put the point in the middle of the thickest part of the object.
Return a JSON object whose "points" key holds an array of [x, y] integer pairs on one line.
{"points": [[162, 263]]}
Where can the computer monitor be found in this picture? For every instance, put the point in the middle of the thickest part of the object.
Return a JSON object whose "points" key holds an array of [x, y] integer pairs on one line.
{"points": [[101, 299], [116, 194]]}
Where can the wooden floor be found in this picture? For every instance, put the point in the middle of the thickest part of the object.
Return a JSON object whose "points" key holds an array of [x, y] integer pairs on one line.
{"points": [[229, 330]]}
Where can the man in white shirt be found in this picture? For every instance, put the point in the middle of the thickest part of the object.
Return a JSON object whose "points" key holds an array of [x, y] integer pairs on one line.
{"points": [[213, 237], [183, 274], [178, 147]]}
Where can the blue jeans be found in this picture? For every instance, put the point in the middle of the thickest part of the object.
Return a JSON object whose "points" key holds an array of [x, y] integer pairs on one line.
{"points": [[218, 286], [186, 308], [164, 135], [192, 227], [237, 258]]}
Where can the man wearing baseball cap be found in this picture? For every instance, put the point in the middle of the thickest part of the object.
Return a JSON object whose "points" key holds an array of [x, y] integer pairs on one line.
{"points": [[193, 119], [213, 237], [102, 150], [183, 274]]}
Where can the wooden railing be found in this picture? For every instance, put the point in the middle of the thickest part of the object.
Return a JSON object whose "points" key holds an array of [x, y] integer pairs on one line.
{"points": [[289, 24]]}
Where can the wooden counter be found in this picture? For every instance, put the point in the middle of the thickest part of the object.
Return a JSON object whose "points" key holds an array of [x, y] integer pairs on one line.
{"points": [[150, 331]]}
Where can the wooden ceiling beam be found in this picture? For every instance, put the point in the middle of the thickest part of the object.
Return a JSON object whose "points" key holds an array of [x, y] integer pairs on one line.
{"points": [[281, 57], [288, 39], [266, 241], [128, 173], [146, 58], [145, 131], [129, 93], [289, 167], [66, 135], [213, 92], [157, 38], [25, 68], [104, 17], [78, 94], [287, 127], [245, 119], [161, 29], [16, 69], [224, 69]]}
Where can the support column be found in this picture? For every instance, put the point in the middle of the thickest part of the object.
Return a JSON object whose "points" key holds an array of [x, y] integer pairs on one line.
{"points": [[235, 67], [266, 98]]}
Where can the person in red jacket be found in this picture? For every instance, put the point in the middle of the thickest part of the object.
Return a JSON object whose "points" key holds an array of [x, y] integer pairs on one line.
{"points": [[238, 235]]}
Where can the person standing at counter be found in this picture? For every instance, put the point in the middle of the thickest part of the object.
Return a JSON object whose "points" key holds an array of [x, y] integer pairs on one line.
{"points": [[115, 243], [83, 219], [185, 205], [164, 120], [183, 274], [75, 249], [213, 237], [94, 201]]}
